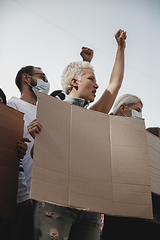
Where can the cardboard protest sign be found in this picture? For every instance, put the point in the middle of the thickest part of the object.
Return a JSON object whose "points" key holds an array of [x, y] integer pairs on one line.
{"points": [[11, 131], [154, 161], [90, 160]]}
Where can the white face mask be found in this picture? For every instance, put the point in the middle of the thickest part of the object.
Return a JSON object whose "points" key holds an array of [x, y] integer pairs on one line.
{"points": [[135, 114], [40, 87]]}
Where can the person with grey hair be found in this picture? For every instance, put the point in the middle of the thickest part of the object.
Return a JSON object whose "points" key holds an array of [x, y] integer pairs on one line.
{"points": [[128, 105], [79, 83]]}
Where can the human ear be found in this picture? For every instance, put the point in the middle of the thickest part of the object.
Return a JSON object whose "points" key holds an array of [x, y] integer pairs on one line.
{"points": [[122, 109], [25, 78], [74, 82]]}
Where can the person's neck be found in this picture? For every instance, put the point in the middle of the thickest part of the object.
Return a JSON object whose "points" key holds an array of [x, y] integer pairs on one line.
{"points": [[74, 94], [29, 97], [75, 100]]}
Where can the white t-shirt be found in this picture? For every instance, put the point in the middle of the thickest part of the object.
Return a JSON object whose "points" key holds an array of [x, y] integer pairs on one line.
{"points": [[24, 179]]}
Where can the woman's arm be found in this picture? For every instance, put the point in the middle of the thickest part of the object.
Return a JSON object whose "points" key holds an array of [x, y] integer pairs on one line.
{"points": [[107, 99]]}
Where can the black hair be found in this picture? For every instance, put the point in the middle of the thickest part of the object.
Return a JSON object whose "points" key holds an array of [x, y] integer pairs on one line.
{"points": [[26, 69]]}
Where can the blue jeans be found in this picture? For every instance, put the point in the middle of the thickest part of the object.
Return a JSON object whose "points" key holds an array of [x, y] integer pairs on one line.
{"points": [[63, 223]]}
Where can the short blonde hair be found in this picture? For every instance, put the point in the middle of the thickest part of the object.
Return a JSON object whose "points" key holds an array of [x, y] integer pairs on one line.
{"points": [[73, 70], [128, 100]]}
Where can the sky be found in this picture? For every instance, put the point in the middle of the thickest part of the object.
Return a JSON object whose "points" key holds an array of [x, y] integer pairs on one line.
{"points": [[51, 33]]}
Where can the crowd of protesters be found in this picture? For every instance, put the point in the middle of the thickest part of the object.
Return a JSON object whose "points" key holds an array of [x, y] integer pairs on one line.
{"points": [[79, 88]]}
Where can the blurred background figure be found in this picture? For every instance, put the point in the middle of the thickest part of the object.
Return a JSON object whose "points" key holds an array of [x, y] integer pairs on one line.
{"points": [[2, 97], [154, 130]]}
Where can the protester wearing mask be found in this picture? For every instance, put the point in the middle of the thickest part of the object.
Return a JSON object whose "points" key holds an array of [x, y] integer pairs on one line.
{"points": [[128, 105], [29, 80]]}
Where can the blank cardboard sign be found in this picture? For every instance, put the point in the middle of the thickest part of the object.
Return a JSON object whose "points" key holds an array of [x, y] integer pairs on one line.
{"points": [[89, 160], [154, 161], [11, 131]]}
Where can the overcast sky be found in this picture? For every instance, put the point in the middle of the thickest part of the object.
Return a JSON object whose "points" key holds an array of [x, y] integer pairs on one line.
{"points": [[50, 34]]}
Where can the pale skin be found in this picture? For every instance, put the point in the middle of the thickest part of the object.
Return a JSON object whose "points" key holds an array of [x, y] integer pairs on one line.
{"points": [[124, 111], [84, 89], [28, 96], [22, 147]]}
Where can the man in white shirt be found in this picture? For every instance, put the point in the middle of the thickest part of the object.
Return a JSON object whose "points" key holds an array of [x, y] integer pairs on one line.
{"points": [[29, 80]]}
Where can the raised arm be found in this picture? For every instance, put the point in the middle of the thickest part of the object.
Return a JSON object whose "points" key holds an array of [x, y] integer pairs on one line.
{"points": [[87, 54], [107, 99]]}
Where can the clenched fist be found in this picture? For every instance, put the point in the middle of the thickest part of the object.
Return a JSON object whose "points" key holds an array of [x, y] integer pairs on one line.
{"points": [[120, 38]]}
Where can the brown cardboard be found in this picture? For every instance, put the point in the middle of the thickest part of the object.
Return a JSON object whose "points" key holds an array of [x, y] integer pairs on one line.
{"points": [[89, 160], [90, 170], [50, 171], [11, 131], [130, 170], [154, 161]]}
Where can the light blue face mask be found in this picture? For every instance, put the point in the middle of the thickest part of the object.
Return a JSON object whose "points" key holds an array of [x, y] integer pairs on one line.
{"points": [[40, 87], [135, 114]]}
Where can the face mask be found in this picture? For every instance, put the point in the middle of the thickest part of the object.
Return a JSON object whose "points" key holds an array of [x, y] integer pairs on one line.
{"points": [[135, 114], [40, 87]]}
